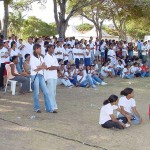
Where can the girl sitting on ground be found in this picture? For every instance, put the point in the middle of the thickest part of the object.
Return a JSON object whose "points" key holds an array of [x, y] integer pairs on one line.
{"points": [[128, 106], [107, 118]]}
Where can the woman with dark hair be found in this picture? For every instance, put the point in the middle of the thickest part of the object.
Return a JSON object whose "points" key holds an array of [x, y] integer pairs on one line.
{"points": [[107, 118], [26, 64], [128, 106], [16, 52], [37, 76], [20, 77]]}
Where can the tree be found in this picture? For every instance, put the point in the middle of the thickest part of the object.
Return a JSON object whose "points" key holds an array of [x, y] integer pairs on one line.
{"points": [[35, 27], [6, 17], [15, 22], [97, 13], [60, 8]]}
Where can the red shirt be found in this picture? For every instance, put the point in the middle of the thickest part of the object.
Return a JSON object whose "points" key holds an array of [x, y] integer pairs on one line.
{"points": [[144, 68]]}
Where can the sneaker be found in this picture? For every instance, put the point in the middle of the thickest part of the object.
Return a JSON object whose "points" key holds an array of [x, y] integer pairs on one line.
{"points": [[38, 111], [93, 86], [103, 83], [127, 125], [97, 83]]}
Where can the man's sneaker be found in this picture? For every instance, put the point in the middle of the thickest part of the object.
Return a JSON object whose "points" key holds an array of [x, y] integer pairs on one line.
{"points": [[97, 83], [93, 86], [103, 83], [127, 125]]}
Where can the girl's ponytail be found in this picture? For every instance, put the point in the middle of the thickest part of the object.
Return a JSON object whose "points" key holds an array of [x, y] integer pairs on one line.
{"points": [[106, 102], [111, 99]]}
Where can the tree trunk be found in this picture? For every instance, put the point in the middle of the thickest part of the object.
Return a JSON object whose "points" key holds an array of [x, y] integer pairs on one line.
{"points": [[62, 27], [5, 21]]}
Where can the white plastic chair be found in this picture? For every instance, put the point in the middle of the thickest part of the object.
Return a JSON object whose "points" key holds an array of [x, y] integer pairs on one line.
{"points": [[13, 82]]}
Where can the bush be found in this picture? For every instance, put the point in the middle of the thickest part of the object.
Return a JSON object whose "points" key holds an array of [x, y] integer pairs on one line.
{"points": [[84, 27]]}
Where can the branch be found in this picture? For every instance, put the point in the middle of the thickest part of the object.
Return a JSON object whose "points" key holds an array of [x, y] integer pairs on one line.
{"points": [[55, 12], [76, 8]]}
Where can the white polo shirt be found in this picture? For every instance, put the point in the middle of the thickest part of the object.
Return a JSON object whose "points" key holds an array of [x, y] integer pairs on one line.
{"points": [[75, 50], [50, 61], [85, 54], [4, 52], [29, 48], [35, 62], [61, 50]]}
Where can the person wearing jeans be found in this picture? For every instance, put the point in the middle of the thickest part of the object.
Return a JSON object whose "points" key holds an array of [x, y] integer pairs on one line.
{"points": [[37, 72], [85, 80], [23, 78], [39, 82], [51, 76]]}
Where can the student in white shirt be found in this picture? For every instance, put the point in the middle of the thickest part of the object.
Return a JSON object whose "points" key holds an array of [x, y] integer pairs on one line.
{"points": [[37, 76], [70, 57], [59, 51], [76, 55], [144, 52], [87, 55], [84, 80], [2, 65], [81, 51], [128, 106], [51, 75], [124, 49], [16, 52], [105, 71], [107, 118], [112, 55], [66, 54], [119, 68], [136, 70], [6, 57], [62, 77], [29, 46], [126, 73], [92, 50]]}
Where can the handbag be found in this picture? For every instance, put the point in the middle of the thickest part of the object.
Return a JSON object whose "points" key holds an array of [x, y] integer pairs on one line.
{"points": [[32, 83]]}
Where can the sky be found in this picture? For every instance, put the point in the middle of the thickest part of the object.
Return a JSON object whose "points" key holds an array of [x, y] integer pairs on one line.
{"points": [[46, 13]]}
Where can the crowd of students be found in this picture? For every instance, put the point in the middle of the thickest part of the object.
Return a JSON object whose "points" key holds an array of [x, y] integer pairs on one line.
{"points": [[71, 62]]}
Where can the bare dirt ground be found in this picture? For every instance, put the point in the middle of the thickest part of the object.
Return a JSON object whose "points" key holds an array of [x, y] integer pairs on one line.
{"points": [[76, 126]]}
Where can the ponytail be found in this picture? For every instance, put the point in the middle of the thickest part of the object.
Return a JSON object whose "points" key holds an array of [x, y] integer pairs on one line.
{"points": [[111, 99], [126, 91]]}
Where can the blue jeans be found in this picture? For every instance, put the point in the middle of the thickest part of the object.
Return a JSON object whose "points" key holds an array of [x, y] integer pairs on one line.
{"points": [[130, 53], [144, 74], [86, 82], [40, 82], [129, 76], [97, 79], [51, 85], [18, 67], [135, 121], [139, 53], [92, 56], [74, 80]]}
